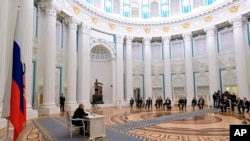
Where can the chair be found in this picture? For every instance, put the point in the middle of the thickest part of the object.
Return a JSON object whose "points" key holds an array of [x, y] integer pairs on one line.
{"points": [[72, 126]]}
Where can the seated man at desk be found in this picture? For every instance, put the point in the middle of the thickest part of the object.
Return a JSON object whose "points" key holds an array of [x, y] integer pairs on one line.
{"points": [[80, 113]]}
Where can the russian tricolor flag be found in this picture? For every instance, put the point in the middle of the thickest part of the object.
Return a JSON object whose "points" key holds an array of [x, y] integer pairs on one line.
{"points": [[17, 100]]}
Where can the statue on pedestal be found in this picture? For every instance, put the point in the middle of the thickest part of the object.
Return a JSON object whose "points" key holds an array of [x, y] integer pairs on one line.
{"points": [[98, 87]]}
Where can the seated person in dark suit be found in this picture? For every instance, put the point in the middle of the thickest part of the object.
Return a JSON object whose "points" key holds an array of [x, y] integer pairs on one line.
{"points": [[201, 103], [224, 104], [239, 104], [79, 113], [246, 104], [194, 103], [168, 103], [181, 103]]}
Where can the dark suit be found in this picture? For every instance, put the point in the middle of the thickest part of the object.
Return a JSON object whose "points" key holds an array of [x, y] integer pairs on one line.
{"points": [[168, 103], [201, 103], [245, 106], [224, 104], [181, 104], [239, 105], [79, 113]]}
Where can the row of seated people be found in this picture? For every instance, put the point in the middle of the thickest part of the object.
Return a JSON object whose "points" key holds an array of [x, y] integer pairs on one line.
{"points": [[242, 104], [159, 104]]}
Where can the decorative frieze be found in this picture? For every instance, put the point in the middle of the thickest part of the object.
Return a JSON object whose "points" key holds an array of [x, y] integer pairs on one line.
{"points": [[226, 60]]}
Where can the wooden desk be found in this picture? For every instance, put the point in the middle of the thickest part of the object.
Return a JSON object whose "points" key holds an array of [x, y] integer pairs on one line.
{"points": [[95, 126]]}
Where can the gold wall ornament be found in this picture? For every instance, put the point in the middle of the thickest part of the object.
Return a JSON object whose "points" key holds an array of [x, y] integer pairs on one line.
{"points": [[234, 8], [76, 10], [147, 30], [165, 29], [208, 19], [129, 29], [186, 25], [112, 26], [94, 20]]}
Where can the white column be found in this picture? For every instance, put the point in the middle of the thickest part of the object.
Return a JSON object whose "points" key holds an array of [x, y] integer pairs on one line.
{"points": [[40, 56], [70, 102], [129, 69], [3, 47], [84, 90], [119, 68], [26, 16], [147, 68], [167, 67], [189, 67], [114, 80], [48, 106], [241, 57], [212, 62]]}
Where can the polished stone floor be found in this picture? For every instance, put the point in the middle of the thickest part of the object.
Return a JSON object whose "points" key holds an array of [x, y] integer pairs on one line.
{"points": [[208, 127]]}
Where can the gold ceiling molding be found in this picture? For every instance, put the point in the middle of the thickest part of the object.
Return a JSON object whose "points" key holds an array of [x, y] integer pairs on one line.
{"points": [[129, 29], [147, 30], [165, 29], [112, 26], [208, 19], [94, 20], [234, 8], [76, 10], [186, 25]]}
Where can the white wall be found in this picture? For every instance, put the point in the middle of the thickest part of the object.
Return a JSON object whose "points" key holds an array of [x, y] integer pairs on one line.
{"points": [[100, 35], [103, 72]]}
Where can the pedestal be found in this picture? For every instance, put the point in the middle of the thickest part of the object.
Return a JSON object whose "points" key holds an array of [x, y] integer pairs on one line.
{"points": [[98, 99]]}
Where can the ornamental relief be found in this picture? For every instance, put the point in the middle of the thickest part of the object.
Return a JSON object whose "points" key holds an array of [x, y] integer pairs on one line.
{"points": [[138, 68], [178, 81], [137, 82], [202, 80], [230, 77], [200, 65], [110, 45], [226, 60], [177, 67], [59, 57], [156, 81], [157, 68]]}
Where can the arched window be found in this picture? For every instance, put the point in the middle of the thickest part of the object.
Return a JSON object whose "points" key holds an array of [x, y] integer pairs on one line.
{"points": [[135, 9], [208, 2], [154, 9], [186, 6], [145, 9], [90, 1], [116, 7], [108, 6], [165, 8], [175, 7], [126, 9]]}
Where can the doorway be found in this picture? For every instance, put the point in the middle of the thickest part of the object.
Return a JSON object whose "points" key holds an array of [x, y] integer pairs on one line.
{"points": [[232, 89]]}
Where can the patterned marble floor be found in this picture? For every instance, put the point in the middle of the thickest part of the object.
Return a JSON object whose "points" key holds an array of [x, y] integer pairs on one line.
{"points": [[208, 127]]}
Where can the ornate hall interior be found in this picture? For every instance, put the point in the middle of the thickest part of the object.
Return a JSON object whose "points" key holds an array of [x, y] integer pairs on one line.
{"points": [[102, 53]]}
